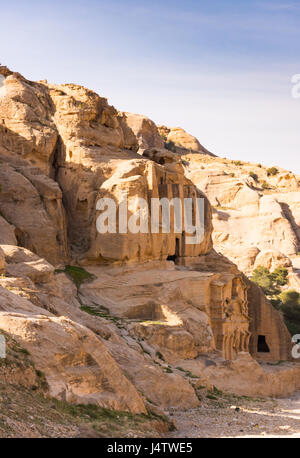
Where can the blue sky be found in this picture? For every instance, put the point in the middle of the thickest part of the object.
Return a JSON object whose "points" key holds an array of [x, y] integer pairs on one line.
{"points": [[220, 69]]}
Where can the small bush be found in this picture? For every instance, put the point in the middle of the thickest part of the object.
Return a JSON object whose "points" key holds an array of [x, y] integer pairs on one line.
{"points": [[291, 310], [272, 171], [39, 373], [237, 162], [100, 311], [263, 278], [290, 297], [280, 276], [77, 274], [265, 185], [212, 396], [160, 356], [180, 369]]}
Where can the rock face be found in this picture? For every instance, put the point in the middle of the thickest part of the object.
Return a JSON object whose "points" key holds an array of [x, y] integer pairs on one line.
{"points": [[7, 233], [183, 142], [21, 262], [255, 214], [271, 259], [77, 366], [121, 331], [145, 130], [93, 164], [147, 180]]}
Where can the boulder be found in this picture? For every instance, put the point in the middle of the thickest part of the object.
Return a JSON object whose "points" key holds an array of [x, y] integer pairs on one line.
{"points": [[145, 130], [23, 263], [76, 364]]}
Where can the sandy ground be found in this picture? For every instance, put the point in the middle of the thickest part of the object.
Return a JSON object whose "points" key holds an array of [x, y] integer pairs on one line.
{"points": [[233, 416]]}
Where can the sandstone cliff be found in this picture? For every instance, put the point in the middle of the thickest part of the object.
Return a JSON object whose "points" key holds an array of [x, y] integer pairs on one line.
{"points": [[256, 214], [149, 318], [256, 209]]}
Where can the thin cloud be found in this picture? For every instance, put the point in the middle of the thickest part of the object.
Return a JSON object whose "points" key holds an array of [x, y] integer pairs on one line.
{"points": [[280, 6]]}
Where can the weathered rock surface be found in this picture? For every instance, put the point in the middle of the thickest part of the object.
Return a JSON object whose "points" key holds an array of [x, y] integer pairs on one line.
{"points": [[184, 143], [153, 304], [246, 377], [21, 262], [145, 130], [27, 128], [76, 364], [253, 210], [271, 259], [7, 233], [250, 215], [32, 203]]}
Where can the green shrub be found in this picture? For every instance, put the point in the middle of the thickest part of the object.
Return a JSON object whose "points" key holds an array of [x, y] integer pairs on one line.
{"points": [[265, 185], [287, 302], [263, 278], [272, 171], [77, 274], [290, 308], [180, 369], [212, 396], [280, 276], [290, 298]]}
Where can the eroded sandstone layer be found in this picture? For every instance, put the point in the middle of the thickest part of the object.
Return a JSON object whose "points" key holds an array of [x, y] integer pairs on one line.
{"points": [[256, 215], [142, 320]]}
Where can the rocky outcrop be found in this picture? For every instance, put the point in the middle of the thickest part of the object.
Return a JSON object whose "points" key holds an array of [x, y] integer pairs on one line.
{"points": [[120, 331], [252, 220], [246, 377], [7, 233], [145, 130], [182, 142], [76, 364], [271, 259], [27, 127], [95, 164], [21, 262], [32, 203]]}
